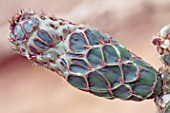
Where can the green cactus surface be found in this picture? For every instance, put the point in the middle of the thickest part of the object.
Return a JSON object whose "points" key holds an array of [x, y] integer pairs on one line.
{"points": [[166, 59], [87, 58]]}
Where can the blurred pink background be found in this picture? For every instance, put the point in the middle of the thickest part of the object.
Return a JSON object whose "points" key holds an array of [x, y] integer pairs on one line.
{"points": [[25, 88]]}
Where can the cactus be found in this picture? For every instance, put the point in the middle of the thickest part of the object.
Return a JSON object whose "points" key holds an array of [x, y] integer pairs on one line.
{"points": [[162, 43], [89, 59]]}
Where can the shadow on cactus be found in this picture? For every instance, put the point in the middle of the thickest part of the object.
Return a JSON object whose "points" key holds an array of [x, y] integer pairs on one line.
{"points": [[87, 58]]}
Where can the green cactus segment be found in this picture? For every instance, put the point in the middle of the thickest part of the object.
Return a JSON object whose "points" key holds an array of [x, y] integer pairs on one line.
{"points": [[27, 27], [40, 44], [80, 62], [78, 82], [116, 70], [95, 56], [123, 52], [88, 59], [144, 86], [166, 81], [158, 88], [18, 31], [107, 51], [95, 37], [122, 92], [97, 82], [166, 59], [111, 72], [78, 69], [44, 36], [78, 42], [130, 72]]}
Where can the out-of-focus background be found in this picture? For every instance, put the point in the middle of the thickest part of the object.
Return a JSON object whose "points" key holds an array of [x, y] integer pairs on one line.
{"points": [[25, 88]]}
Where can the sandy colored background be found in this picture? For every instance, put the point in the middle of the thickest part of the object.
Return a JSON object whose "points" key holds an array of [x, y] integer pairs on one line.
{"points": [[25, 88]]}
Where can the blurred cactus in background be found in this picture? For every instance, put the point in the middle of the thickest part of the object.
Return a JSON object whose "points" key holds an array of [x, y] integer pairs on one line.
{"points": [[91, 60]]}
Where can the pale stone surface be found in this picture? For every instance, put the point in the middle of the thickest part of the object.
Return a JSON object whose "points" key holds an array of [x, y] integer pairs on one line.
{"points": [[26, 89]]}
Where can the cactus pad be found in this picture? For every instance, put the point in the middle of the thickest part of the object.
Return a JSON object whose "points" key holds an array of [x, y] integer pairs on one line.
{"points": [[87, 58]]}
